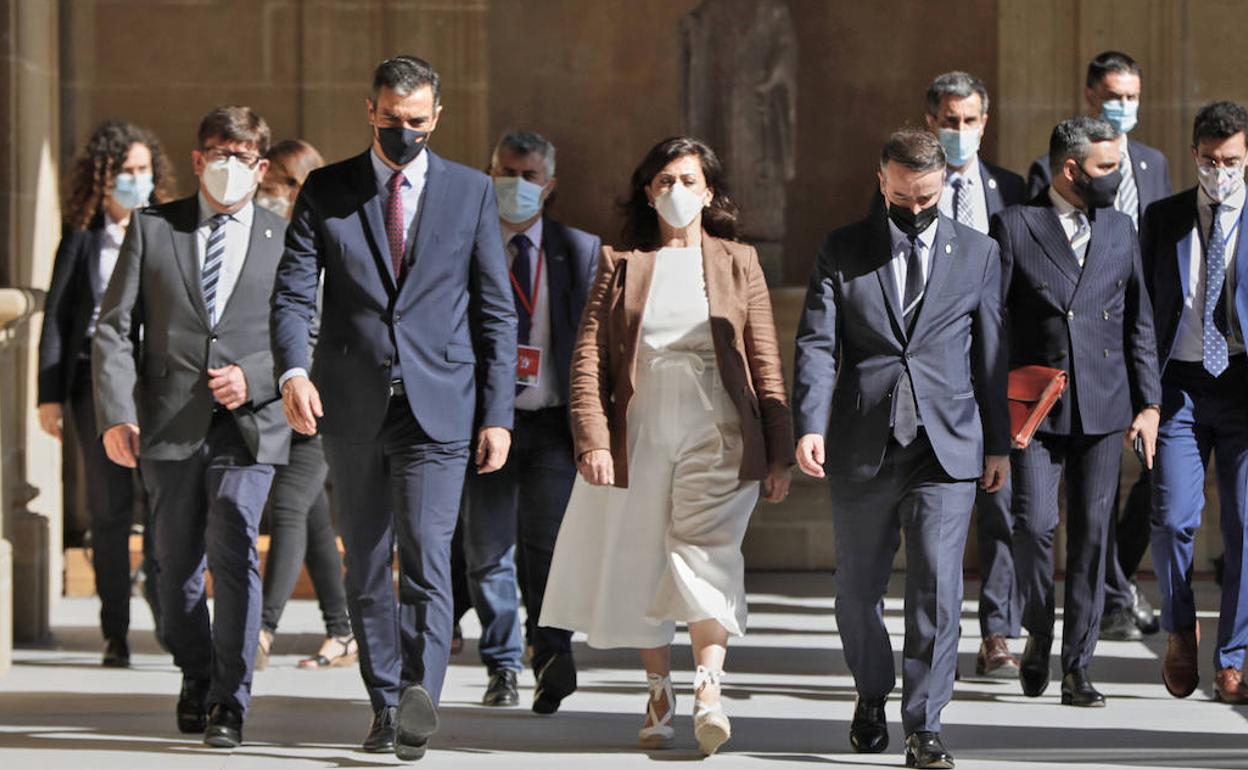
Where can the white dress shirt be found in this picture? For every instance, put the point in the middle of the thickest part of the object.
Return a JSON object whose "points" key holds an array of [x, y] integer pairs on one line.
{"points": [[237, 239], [544, 394], [901, 255], [110, 248], [973, 187], [1188, 340]]}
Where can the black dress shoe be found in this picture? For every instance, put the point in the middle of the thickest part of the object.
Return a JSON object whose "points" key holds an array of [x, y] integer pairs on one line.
{"points": [[1145, 618], [380, 738], [1033, 667], [924, 749], [225, 727], [1119, 626], [116, 654], [417, 722], [556, 680], [502, 689], [868, 733], [1077, 690], [193, 705]]}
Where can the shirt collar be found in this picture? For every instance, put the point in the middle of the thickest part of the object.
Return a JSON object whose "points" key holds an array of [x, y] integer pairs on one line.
{"points": [[243, 216], [533, 232], [1233, 203], [971, 174], [902, 241], [1064, 207], [1124, 144], [414, 172]]}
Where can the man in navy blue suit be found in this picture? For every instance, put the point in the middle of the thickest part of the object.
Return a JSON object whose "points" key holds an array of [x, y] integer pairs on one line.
{"points": [[1112, 92], [1196, 265], [900, 373], [974, 191], [418, 323], [520, 507], [1075, 300]]}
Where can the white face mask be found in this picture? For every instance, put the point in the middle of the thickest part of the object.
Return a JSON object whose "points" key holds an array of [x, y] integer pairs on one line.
{"points": [[519, 200], [678, 205], [228, 181], [1220, 183]]}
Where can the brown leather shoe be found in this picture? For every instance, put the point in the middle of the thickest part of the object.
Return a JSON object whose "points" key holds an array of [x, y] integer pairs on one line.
{"points": [[994, 659], [1179, 670], [1229, 686]]}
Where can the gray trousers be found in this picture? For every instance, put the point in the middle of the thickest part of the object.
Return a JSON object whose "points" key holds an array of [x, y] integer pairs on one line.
{"points": [[910, 494]]}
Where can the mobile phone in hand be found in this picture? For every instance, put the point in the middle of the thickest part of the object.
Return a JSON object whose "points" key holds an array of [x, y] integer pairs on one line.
{"points": [[1138, 445]]}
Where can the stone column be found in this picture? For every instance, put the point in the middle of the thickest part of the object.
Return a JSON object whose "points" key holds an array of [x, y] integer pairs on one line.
{"points": [[30, 497]]}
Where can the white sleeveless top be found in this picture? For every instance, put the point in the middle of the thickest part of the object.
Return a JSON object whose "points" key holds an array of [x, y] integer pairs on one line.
{"points": [[677, 315]]}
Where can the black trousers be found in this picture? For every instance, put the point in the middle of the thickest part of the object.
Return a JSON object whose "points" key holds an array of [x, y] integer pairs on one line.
{"points": [[1129, 535], [110, 508], [300, 531]]}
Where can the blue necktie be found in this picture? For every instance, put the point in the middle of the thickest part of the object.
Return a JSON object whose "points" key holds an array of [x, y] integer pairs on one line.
{"points": [[522, 273], [1215, 353], [214, 255]]}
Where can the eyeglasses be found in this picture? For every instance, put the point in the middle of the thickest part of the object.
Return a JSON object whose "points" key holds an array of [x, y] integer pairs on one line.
{"points": [[214, 154]]}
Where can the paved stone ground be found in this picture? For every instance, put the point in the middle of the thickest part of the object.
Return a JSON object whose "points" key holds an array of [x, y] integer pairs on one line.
{"points": [[789, 696]]}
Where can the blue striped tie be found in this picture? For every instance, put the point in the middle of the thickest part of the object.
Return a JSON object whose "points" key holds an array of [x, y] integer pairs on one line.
{"points": [[1215, 354], [214, 255]]}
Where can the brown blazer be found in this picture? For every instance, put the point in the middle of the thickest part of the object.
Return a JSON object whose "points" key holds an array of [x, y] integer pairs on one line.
{"points": [[604, 361]]}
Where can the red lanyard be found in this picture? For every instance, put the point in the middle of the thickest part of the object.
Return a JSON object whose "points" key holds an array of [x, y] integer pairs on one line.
{"points": [[528, 302]]}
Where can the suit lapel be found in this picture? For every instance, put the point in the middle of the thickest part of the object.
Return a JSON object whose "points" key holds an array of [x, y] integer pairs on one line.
{"points": [[430, 216], [1241, 273], [992, 191], [716, 267], [1183, 233], [1043, 223], [558, 277], [374, 220], [183, 221], [1097, 248], [94, 239], [881, 247], [254, 266], [939, 259]]}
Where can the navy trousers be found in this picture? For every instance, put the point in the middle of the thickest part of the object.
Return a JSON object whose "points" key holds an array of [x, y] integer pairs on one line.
{"points": [[402, 487], [1092, 464], [910, 494], [519, 507], [1199, 414], [998, 594], [206, 510]]}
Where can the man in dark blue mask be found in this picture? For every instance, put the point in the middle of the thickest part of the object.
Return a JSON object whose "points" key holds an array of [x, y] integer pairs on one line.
{"points": [[417, 348]]}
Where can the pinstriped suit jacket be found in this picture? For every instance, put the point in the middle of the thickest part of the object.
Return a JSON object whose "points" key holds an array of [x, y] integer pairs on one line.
{"points": [[1095, 322]]}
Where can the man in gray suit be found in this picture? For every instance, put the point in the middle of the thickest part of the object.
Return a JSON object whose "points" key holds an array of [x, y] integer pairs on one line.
{"points": [[197, 405], [900, 364]]}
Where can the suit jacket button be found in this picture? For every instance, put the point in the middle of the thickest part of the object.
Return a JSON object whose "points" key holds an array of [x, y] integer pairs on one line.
{"points": [[1107, 352], [397, 318], [1070, 314], [386, 363], [212, 338], [1120, 283], [1105, 314]]}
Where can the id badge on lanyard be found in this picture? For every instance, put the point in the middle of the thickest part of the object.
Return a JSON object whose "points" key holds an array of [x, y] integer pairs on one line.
{"points": [[529, 357]]}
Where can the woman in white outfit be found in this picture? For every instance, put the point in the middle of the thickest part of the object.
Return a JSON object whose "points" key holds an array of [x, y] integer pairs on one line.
{"points": [[679, 411]]}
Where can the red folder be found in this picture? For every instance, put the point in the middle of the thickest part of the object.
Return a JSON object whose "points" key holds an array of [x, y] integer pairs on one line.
{"points": [[1033, 390]]}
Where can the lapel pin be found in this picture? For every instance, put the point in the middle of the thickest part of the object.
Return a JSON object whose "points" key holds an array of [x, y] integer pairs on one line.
{"points": [[992, 184], [268, 233], [1143, 165], [948, 248]]}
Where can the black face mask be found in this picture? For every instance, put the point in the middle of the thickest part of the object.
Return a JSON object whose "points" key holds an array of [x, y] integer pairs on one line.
{"points": [[1098, 192], [401, 145], [911, 223]]}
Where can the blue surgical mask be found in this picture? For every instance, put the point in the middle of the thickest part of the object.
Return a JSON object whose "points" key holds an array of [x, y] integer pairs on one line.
{"points": [[960, 146], [519, 200], [133, 190], [1121, 114]]}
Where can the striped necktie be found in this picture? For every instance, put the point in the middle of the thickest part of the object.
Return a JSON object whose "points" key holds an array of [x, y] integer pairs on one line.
{"points": [[962, 201], [1079, 241], [1128, 200], [214, 256]]}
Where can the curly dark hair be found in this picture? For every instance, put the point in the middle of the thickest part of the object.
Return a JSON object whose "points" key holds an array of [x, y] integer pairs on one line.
{"points": [[93, 172], [641, 222]]}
